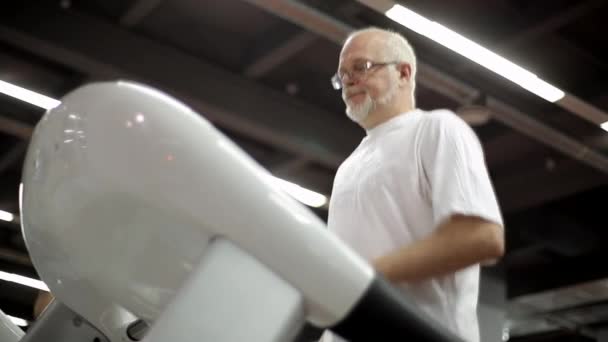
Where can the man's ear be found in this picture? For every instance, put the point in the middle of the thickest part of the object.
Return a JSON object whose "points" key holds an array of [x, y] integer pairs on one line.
{"points": [[405, 71]]}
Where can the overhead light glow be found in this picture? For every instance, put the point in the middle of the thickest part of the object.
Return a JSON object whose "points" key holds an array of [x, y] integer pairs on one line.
{"points": [[6, 216], [28, 96], [474, 52], [18, 321], [605, 126], [25, 281], [308, 197]]}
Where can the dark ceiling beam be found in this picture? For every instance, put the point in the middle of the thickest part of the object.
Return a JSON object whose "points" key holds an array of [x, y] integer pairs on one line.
{"points": [[277, 55], [97, 48], [17, 300], [12, 156], [529, 186], [583, 56], [551, 24], [138, 10], [509, 147], [16, 257], [546, 135], [15, 128], [269, 57], [61, 55], [305, 17]]}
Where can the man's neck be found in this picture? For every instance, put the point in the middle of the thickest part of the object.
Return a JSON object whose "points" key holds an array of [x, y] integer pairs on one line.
{"points": [[379, 118]]}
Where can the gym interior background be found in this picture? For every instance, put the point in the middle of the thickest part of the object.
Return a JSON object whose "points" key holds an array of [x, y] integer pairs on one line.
{"points": [[260, 70]]}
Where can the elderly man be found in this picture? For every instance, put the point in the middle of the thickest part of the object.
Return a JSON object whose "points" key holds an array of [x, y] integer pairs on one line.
{"points": [[414, 198]]}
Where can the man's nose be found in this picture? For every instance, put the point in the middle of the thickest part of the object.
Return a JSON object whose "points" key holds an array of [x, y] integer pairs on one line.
{"points": [[347, 80]]}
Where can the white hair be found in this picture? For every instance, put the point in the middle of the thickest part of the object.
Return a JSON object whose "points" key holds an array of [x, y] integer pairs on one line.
{"points": [[398, 49]]}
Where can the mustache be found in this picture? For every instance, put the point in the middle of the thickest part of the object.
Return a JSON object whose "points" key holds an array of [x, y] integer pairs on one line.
{"points": [[350, 93]]}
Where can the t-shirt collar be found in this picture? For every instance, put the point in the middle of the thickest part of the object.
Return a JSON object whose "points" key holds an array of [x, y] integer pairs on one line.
{"points": [[389, 124]]}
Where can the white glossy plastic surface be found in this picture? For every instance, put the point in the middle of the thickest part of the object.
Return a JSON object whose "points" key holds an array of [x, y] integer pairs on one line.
{"points": [[231, 296], [124, 186], [9, 332]]}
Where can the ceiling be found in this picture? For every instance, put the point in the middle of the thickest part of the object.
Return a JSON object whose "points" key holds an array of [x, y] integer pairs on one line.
{"points": [[260, 70]]}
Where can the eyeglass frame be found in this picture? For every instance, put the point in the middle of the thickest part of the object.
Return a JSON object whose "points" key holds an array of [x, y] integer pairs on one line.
{"points": [[336, 79]]}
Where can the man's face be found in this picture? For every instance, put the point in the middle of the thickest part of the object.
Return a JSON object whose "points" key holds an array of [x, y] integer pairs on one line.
{"points": [[363, 92]]}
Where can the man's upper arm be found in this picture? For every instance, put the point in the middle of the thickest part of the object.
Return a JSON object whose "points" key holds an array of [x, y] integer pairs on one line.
{"points": [[453, 160]]}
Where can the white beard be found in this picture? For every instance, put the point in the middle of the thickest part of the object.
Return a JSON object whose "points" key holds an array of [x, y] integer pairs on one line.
{"points": [[360, 112]]}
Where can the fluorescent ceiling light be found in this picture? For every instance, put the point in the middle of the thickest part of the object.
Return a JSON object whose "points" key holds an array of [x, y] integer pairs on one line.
{"points": [[19, 279], [28, 96], [18, 321], [604, 126], [474, 52], [303, 195], [6, 216]]}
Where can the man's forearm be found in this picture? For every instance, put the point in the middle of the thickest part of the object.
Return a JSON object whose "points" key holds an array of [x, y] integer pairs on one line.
{"points": [[458, 243]]}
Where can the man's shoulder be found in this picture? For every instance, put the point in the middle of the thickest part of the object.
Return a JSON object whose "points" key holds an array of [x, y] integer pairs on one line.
{"points": [[444, 122], [346, 163], [349, 163], [441, 118]]}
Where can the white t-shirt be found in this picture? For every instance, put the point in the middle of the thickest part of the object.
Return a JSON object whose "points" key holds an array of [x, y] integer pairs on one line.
{"points": [[406, 177]]}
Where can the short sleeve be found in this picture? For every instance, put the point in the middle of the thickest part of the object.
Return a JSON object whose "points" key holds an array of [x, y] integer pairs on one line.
{"points": [[455, 170]]}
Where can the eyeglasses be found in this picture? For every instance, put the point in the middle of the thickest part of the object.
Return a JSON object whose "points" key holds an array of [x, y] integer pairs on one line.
{"points": [[359, 70]]}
